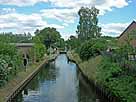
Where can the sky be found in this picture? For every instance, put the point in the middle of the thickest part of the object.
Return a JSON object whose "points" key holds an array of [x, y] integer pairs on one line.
{"points": [[19, 16]]}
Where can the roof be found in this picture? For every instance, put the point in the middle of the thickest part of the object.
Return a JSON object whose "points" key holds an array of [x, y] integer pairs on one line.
{"points": [[23, 44], [133, 23]]}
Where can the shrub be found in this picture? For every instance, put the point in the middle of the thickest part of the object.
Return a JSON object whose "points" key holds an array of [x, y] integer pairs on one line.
{"points": [[92, 48], [113, 78], [38, 51], [10, 62], [86, 50]]}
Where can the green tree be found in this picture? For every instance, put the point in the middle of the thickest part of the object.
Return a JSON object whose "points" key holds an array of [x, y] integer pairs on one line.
{"points": [[60, 43], [88, 23], [49, 36], [92, 47], [15, 38], [38, 51], [10, 62], [73, 42]]}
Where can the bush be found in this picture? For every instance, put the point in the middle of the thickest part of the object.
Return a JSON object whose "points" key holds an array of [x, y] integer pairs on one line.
{"points": [[38, 51], [9, 62], [86, 50], [113, 78], [107, 70], [3, 72], [92, 48]]}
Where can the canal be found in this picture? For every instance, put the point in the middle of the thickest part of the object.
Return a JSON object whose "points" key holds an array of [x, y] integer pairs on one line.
{"points": [[58, 81]]}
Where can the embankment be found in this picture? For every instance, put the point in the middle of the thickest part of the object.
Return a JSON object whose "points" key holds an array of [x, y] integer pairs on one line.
{"points": [[89, 70], [14, 86]]}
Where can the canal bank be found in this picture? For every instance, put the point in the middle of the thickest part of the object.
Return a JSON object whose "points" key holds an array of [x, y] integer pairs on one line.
{"points": [[58, 81], [21, 79], [89, 70]]}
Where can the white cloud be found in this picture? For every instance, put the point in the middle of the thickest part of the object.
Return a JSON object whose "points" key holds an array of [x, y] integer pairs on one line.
{"points": [[103, 5], [69, 13], [66, 36], [7, 10], [24, 23], [65, 24], [21, 2], [113, 29], [56, 26], [64, 11], [64, 15]]}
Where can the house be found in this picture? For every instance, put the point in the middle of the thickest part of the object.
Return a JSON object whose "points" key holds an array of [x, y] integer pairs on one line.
{"points": [[124, 36]]}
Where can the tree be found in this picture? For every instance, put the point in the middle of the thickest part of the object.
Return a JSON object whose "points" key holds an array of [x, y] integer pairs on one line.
{"points": [[15, 38], [60, 43], [10, 62], [37, 31], [73, 42], [49, 36], [88, 23], [92, 48]]}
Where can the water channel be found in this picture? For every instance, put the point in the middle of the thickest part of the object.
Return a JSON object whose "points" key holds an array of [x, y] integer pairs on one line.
{"points": [[59, 81]]}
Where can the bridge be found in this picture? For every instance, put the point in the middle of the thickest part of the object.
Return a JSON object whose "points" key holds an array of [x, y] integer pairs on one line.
{"points": [[62, 52]]}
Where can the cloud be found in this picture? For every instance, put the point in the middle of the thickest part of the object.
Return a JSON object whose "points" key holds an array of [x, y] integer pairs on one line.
{"points": [[113, 29], [64, 15], [65, 11], [21, 2], [7, 10], [103, 5], [24, 23], [67, 35]]}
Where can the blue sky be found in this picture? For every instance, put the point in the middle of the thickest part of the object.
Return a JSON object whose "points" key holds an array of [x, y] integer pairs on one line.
{"points": [[21, 16]]}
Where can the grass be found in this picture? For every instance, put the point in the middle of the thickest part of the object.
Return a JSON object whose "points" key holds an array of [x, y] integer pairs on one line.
{"points": [[6, 89], [89, 68], [11, 84]]}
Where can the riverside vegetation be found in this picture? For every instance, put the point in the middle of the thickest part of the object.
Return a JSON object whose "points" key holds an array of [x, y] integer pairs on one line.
{"points": [[102, 59], [11, 60]]}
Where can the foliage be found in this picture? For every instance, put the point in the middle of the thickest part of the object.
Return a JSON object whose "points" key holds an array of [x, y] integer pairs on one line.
{"points": [[86, 50], [48, 36], [15, 38], [38, 51], [107, 70], [60, 43], [9, 62], [88, 23], [92, 48], [73, 42], [3, 72], [113, 77]]}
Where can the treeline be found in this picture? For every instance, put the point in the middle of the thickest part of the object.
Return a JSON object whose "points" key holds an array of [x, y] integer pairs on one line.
{"points": [[116, 72], [50, 37], [11, 60], [16, 38], [89, 35]]}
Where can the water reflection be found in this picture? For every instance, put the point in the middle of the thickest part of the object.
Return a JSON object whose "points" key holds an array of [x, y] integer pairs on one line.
{"points": [[57, 82]]}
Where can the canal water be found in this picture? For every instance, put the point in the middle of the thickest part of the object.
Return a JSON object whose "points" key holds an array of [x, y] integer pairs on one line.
{"points": [[59, 81]]}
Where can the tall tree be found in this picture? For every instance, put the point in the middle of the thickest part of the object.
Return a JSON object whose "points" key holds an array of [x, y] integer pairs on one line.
{"points": [[88, 23], [49, 36], [73, 42]]}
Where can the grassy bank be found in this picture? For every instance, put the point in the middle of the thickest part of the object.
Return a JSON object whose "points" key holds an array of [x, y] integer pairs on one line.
{"points": [[22, 75], [110, 76], [89, 68]]}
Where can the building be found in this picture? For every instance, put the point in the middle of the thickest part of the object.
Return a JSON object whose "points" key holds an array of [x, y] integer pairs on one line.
{"points": [[124, 36]]}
